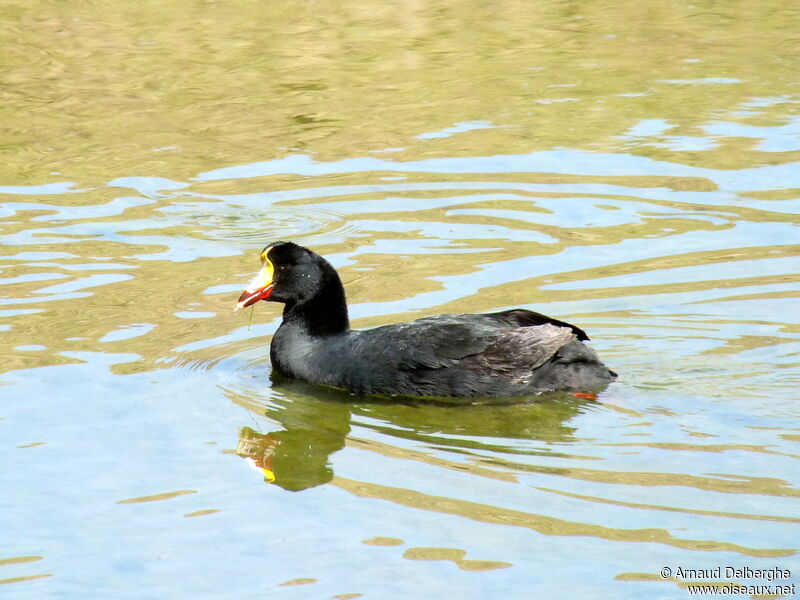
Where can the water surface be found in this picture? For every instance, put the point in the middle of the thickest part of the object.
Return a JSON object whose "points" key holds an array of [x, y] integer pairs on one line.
{"points": [[631, 168]]}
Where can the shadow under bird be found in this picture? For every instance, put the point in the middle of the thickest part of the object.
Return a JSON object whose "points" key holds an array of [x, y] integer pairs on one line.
{"points": [[504, 354]]}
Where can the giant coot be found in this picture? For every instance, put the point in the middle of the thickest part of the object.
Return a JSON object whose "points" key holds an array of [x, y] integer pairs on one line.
{"points": [[511, 353]]}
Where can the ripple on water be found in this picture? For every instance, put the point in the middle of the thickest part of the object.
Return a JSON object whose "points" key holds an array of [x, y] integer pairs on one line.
{"points": [[251, 223]]}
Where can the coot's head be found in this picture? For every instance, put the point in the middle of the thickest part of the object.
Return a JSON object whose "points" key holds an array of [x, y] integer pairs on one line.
{"points": [[290, 274]]}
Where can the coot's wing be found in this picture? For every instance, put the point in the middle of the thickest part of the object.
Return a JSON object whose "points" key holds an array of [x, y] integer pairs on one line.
{"points": [[476, 342], [454, 355]]}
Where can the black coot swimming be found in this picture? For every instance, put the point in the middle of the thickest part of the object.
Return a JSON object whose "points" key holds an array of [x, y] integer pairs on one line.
{"points": [[511, 353]]}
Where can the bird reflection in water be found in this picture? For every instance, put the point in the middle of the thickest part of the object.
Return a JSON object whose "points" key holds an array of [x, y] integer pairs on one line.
{"points": [[316, 423]]}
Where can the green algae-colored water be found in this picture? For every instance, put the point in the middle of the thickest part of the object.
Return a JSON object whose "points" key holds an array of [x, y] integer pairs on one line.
{"points": [[630, 167]]}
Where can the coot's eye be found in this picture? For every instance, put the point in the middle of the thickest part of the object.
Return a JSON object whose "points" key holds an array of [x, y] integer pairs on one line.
{"points": [[285, 267]]}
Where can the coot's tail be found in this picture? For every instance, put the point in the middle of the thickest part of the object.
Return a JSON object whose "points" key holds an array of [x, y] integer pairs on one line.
{"points": [[575, 367]]}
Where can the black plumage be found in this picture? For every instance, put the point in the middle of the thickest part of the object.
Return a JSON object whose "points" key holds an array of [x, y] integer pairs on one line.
{"points": [[511, 353]]}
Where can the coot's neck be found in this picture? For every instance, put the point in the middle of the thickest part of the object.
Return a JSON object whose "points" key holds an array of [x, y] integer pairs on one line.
{"points": [[324, 314]]}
